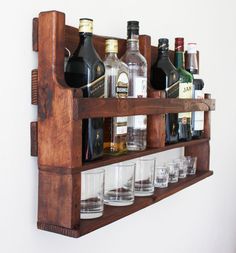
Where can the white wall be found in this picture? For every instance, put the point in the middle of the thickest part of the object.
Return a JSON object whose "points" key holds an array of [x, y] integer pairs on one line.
{"points": [[201, 218]]}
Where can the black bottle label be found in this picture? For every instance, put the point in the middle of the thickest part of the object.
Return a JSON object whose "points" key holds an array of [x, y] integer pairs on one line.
{"points": [[173, 90], [95, 88]]}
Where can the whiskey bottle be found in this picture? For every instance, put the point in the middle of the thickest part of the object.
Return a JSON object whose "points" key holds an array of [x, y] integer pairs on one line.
{"points": [[185, 90], [198, 84], [164, 76], [137, 125], [116, 86], [85, 70]]}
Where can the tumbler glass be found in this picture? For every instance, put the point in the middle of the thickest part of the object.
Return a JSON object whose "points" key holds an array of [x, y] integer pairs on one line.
{"points": [[191, 165], [92, 193], [182, 166], [173, 172], [161, 176], [144, 177], [119, 184]]}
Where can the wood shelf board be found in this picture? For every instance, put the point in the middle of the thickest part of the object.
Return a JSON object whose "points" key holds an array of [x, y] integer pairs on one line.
{"points": [[112, 213], [112, 107], [107, 160]]}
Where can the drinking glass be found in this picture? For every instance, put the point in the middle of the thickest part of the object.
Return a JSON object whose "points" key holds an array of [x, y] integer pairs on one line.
{"points": [[144, 177], [173, 172], [119, 184], [191, 165], [92, 193], [182, 166], [161, 176]]}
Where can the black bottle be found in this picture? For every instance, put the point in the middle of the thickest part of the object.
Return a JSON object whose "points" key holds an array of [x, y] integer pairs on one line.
{"points": [[86, 70], [164, 76]]}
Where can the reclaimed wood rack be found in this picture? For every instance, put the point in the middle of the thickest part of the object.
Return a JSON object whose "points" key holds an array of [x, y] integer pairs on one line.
{"points": [[56, 136]]}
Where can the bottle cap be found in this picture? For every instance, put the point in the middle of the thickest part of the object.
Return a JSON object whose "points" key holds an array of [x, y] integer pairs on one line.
{"points": [[86, 25], [111, 46], [133, 28], [179, 44], [163, 44], [192, 48]]}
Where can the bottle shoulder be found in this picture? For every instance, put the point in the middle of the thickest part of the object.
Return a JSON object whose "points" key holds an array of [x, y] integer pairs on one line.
{"points": [[134, 57], [185, 76]]}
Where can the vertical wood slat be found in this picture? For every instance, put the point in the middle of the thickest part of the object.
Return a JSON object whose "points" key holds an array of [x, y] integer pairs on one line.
{"points": [[156, 124], [35, 35], [34, 87], [34, 138], [207, 121]]}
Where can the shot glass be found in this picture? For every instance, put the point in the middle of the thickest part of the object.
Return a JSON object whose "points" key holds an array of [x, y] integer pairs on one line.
{"points": [[92, 194], [191, 165], [173, 172], [161, 177], [144, 177], [182, 166], [119, 184]]}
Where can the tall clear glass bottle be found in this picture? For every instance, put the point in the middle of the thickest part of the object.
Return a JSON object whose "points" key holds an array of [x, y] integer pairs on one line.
{"points": [[164, 76], [185, 90], [116, 86], [137, 125], [198, 84], [86, 70]]}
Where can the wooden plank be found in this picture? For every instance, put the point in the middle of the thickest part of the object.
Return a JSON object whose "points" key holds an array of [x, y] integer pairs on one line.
{"points": [[34, 138], [34, 87], [207, 120], [112, 214], [112, 107], [35, 35]]}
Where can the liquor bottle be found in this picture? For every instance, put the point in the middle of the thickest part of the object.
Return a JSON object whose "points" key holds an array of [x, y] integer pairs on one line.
{"points": [[86, 70], [198, 84], [185, 90], [164, 76], [137, 125], [116, 86]]}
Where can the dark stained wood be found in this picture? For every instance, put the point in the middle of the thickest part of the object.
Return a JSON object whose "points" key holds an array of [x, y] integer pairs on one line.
{"points": [[156, 124], [106, 160], [145, 50], [34, 138], [35, 35], [59, 135], [112, 214], [207, 120], [202, 152], [59, 199], [34, 87], [111, 107]]}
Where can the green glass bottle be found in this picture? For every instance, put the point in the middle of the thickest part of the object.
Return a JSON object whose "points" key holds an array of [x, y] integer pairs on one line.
{"points": [[185, 90]]}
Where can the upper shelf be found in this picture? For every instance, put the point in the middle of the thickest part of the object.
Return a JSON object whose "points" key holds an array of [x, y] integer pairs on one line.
{"points": [[112, 107]]}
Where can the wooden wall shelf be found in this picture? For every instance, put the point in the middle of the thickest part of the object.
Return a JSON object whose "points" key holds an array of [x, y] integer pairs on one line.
{"points": [[56, 138]]}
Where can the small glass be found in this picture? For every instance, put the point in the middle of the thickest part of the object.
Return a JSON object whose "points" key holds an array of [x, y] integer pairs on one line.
{"points": [[182, 166], [161, 177], [191, 165], [173, 172], [92, 193], [144, 177], [119, 184]]}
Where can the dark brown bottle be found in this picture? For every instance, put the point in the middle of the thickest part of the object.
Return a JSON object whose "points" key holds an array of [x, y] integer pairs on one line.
{"points": [[164, 76], [86, 70]]}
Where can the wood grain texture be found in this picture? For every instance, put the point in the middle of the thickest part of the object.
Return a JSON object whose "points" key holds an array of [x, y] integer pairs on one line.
{"points": [[207, 120], [34, 87], [35, 34], [156, 124], [111, 107], [34, 138], [112, 214]]}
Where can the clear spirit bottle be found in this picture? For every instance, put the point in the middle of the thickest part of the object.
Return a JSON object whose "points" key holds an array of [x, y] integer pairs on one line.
{"points": [[137, 125]]}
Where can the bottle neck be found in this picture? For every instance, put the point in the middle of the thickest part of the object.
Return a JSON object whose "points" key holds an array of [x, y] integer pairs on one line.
{"points": [[133, 42], [111, 55], [86, 39], [179, 59], [163, 53]]}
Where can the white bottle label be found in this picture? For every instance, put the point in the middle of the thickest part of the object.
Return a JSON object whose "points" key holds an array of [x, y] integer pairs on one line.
{"points": [[119, 130], [139, 91], [198, 121], [185, 91], [122, 85]]}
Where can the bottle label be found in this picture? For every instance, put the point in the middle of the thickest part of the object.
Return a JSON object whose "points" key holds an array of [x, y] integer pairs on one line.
{"points": [[120, 125], [122, 85], [198, 120], [120, 130], [139, 91], [173, 90], [185, 91], [95, 88]]}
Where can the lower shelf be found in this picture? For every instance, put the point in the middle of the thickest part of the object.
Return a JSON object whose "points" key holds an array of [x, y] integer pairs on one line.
{"points": [[112, 214]]}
